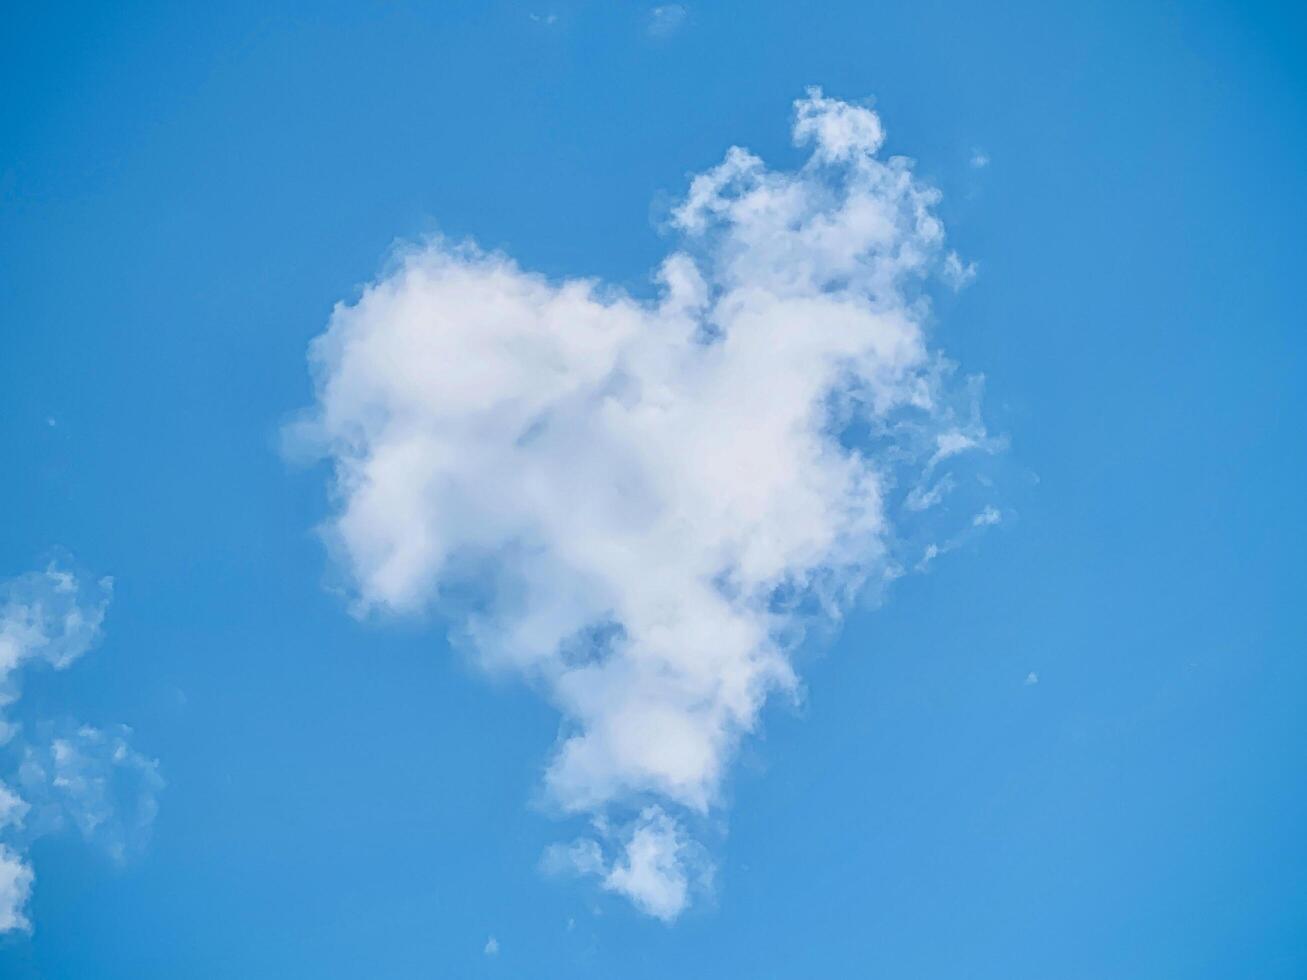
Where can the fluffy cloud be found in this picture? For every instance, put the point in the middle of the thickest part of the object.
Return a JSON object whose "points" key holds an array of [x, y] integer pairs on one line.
{"points": [[76, 775], [47, 616], [655, 864], [15, 887], [639, 504], [92, 780]]}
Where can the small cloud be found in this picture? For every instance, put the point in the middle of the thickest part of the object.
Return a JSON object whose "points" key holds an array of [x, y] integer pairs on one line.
{"points": [[71, 775], [956, 272], [15, 887], [951, 443], [93, 780], [922, 498], [1032, 679], [667, 19], [979, 159], [50, 421], [545, 19], [987, 517], [654, 863], [492, 946], [580, 857], [930, 554]]}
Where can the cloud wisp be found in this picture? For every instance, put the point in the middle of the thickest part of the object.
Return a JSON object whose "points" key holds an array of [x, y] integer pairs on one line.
{"points": [[666, 19], [61, 775], [641, 505]]}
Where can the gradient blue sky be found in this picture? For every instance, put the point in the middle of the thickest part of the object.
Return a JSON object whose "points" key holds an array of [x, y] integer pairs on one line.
{"points": [[186, 190]]}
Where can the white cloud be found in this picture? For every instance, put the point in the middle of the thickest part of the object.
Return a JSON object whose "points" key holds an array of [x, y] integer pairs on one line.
{"points": [[1032, 679], [979, 159], [958, 273], [75, 775], [15, 887], [923, 497], [492, 947], [650, 860], [951, 442], [13, 808], [93, 780], [48, 616], [928, 555], [654, 868], [637, 504]]}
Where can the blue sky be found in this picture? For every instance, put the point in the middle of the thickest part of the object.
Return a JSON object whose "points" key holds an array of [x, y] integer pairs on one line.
{"points": [[1071, 746]]}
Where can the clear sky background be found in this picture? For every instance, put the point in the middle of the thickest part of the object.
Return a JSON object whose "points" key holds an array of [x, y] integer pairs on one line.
{"points": [[185, 192]]}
